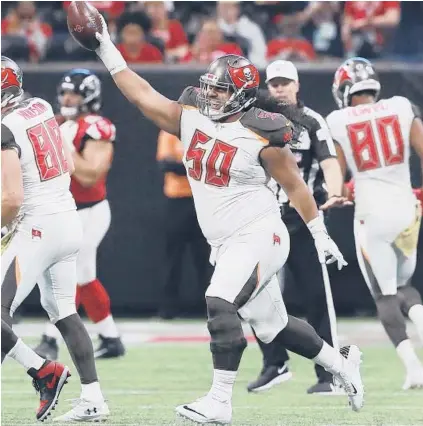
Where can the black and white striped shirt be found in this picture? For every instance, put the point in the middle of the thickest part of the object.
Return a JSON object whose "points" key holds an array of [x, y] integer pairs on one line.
{"points": [[312, 147]]}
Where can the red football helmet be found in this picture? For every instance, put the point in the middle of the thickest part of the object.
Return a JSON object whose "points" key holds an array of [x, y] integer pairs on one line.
{"points": [[235, 74], [11, 82], [353, 76]]}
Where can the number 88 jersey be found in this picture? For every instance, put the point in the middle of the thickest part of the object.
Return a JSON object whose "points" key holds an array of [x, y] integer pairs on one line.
{"points": [[32, 130], [375, 139]]}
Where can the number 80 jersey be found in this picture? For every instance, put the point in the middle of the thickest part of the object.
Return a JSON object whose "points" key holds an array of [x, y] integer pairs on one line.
{"points": [[375, 139], [228, 183], [32, 130]]}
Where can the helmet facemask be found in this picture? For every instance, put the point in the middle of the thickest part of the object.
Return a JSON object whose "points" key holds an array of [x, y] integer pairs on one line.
{"points": [[214, 108]]}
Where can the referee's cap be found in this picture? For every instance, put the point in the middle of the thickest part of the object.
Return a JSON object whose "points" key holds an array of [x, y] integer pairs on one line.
{"points": [[285, 69]]}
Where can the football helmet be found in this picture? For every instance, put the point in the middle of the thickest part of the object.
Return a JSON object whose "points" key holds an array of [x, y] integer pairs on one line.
{"points": [[82, 82], [353, 76], [235, 74], [11, 82]]}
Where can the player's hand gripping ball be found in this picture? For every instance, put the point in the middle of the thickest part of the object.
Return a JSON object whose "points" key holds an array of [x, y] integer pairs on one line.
{"points": [[84, 21]]}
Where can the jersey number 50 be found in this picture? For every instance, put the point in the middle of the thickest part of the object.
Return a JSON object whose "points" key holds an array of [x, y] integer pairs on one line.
{"points": [[47, 144], [218, 162], [365, 145]]}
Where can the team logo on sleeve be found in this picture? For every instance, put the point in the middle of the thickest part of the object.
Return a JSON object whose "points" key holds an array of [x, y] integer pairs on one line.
{"points": [[276, 239]]}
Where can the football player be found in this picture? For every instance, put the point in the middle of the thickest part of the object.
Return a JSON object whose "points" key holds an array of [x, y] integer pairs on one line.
{"points": [[90, 137], [44, 234], [373, 139], [231, 149]]}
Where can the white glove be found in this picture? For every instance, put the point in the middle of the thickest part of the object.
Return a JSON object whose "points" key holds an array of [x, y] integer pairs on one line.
{"points": [[325, 246], [107, 51]]}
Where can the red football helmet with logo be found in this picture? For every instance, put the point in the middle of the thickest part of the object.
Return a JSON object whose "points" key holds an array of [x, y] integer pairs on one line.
{"points": [[353, 76], [11, 82], [235, 74]]}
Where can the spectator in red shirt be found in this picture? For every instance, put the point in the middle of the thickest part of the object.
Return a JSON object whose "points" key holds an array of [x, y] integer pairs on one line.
{"points": [[291, 45], [366, 24], [133, 28], [23, 21], [170, 31], [209, 44]]}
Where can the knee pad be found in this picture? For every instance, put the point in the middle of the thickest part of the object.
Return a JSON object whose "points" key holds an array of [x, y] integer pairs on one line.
{"points": [[224, 326], [408, 297]]}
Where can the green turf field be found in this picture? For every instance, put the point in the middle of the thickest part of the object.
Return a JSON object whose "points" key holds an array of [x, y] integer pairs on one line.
{"points": [[144, 387]]}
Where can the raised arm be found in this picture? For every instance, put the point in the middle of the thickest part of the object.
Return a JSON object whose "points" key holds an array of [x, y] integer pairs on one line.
{"points": [[164, 112]]}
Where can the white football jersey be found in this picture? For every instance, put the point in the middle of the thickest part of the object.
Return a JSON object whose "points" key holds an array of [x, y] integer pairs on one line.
{"points": [[375, 139], [36, 136], [228, 183]]}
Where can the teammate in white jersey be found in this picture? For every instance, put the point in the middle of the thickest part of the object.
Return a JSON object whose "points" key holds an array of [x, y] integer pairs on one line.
{"points": [[373, 139], [231, 149], [44, 237]]}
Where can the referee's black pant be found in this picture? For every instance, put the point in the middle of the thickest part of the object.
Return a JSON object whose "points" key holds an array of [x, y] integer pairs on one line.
{"points": [[305, 267], [182, 230]]}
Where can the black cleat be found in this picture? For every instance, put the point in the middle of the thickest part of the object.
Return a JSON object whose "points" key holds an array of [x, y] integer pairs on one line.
{"points": [[110, 347], [48, 381], [325, 388], [48, 348], [269, 377]]}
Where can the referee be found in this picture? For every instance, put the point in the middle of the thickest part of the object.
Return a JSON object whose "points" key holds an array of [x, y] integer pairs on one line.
{"points": [[316, 159]]}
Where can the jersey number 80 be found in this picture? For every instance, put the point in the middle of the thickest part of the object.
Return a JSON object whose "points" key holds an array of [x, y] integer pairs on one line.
{"points": [[366, 145]]}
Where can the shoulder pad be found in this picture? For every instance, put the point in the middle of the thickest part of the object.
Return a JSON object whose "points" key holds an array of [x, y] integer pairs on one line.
{"points": [[274, 128], [189, 97], [8, 140]]}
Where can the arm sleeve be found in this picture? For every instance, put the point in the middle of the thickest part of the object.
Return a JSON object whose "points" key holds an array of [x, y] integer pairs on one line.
{"points": [[8, 140]]}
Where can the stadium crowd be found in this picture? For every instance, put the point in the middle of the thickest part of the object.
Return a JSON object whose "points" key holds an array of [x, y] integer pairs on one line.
{"points": [[199, 32]]}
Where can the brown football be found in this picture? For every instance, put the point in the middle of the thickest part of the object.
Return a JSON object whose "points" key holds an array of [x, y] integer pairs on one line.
{"points": [[83, 22]]}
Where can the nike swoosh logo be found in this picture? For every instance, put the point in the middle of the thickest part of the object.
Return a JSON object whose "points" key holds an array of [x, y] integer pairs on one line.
{"points": [[281, 370], [196, 412], [52, 384], [100, 352]]}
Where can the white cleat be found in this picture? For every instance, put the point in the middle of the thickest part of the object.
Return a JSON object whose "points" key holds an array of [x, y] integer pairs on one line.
{"points": [[414, 379], [350, 378], [85, 411], [207, 410]]}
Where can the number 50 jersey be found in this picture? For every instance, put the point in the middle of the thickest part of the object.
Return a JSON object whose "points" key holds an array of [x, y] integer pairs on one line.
{"points": [[375, 139], [228, 182], [32, 130]]}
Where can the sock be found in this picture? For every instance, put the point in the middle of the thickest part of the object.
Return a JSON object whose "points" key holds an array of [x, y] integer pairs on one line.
{"points": [[52, 331], [223, 383], [330, 359], [91, 392], [25, 356], [107, 327], [416, 316], [95, 300], [407, 355]]}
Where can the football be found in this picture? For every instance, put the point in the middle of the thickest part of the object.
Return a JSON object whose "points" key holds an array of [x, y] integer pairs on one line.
{"points": [[84, 21]]}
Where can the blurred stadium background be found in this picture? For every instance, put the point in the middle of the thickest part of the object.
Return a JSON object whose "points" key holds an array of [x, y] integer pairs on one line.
{"points": [[170, 43]]}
